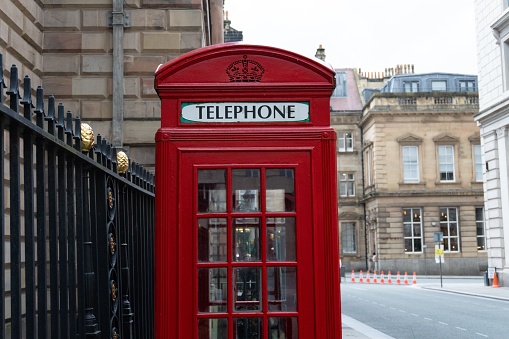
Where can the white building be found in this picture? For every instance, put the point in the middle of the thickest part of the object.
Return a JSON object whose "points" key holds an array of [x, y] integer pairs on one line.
{"points": [[492, 27]]}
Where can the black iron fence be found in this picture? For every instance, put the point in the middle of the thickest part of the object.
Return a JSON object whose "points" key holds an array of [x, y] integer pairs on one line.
{"points": [[76, 247]]}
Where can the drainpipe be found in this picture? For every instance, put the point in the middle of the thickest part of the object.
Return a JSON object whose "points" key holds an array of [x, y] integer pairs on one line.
{"points": [[118, 20]]}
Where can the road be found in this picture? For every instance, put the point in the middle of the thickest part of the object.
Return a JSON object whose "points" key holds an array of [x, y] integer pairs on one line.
{"points": [[405, 312]]}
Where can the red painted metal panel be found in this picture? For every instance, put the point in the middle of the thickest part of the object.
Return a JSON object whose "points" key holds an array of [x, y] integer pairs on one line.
{"points": [[204, 76]]}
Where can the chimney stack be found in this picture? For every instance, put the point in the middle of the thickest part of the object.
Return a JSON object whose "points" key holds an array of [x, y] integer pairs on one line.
{"points": [[320, 53]]}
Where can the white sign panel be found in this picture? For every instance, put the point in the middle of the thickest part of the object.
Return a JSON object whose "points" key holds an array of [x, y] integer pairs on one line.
{"points": [[225, 112]]}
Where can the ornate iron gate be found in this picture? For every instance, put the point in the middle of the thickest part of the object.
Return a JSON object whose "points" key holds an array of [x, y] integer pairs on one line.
{"points": [[77, 225]]}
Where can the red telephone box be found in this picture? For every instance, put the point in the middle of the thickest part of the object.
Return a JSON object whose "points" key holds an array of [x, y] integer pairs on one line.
{"points": [[246, 197]]}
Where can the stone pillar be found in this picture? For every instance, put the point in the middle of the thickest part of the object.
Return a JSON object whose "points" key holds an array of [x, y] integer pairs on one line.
{"points": [[503, 149]]}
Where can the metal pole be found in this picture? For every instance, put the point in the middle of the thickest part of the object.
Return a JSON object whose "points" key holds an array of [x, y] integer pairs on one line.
{"points": [[118, 71]]}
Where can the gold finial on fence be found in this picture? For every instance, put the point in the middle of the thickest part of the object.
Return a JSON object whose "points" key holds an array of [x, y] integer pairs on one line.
{"points": [[122, 162], [87, 137]]}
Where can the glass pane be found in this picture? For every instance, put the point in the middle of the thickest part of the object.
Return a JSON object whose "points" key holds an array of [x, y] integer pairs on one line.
{"points": [[417, 230], [408, 245], [444, 229], [452, 214], [246, 239], [417, 245], [480, 244], [247, 289], [454, 229], [212, 289], [407, 230], [454, 244], [245, 190], [280, 194], [211, 191], [215, 328], [212, 240], [247, 328], [282, 288], [281, 239], [407, 215], [286, 327]]}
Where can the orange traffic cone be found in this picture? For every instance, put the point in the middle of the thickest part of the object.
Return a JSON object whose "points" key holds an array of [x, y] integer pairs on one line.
{"points": [[361, 279], [368, 280], [414, 280], [353, 276], [495, 281], [389, 278], [398, 280], [374, 278], [405, 280], [382, 279]]}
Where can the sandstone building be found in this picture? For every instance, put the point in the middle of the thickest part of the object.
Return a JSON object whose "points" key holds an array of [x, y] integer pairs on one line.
{"points": [[409, 165], [98, 57]]}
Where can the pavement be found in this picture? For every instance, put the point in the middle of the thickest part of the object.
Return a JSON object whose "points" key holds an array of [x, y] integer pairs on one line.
{"points": [[474, 286]]}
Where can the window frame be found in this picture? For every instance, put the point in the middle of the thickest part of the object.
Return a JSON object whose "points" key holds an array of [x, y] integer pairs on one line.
{"points": [[477, 162], [341, 89], [343, 141], [411, 87], [445, 222], [416, 164], [467, 88], [347, 183], [447, 164], [412, 211], [350, 237], [477, 223], [437, 81]]}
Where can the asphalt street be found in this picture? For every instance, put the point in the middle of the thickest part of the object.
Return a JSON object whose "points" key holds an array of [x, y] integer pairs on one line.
{"points": [[460, 307]]}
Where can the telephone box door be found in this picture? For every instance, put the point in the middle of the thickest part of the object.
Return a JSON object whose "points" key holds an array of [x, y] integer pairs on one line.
{"points": [[251, 221]]}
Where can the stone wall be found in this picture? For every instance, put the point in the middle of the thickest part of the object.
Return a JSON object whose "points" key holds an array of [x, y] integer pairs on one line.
{"points": [[67, 47]]}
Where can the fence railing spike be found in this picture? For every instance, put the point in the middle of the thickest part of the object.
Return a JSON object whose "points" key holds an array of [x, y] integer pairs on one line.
{"points": [[13, 91], [39, 107]]}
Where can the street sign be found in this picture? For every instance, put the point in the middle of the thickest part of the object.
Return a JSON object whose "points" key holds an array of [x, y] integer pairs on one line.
{"points": [[439, 253], [438, 236]]}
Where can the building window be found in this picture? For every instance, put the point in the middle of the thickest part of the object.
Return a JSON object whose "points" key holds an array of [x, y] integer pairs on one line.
{"points": [[412, 228], [340, 90], [478, 162], [346, 185], [467, 86], [348, 237], [446, 162], [410, 86], [410, 163], [450, 228], [439, 85], [368, 167], [345, 142], [481, 229]]}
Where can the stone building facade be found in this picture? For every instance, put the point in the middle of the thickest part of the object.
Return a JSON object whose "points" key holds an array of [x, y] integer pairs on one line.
{"points": [[393, 183], [492, 28], [423, 174], [98, 57]]}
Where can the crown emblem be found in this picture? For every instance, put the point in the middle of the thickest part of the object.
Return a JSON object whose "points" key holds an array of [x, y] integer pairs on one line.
{"points": [[245, 71]]}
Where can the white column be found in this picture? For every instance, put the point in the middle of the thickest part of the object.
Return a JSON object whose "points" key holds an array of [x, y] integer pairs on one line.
{"points": [[503, 149]]}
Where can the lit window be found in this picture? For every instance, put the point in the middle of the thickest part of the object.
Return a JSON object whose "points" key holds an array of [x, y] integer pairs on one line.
{"points": [[340, 90], [345, 142], [481, 229], [450, 228], [411, 86], [346, 185], [439, 85], [348, 237], [446, 162], [478, 162], [412, 230], [410, 163], [467, 86]]}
